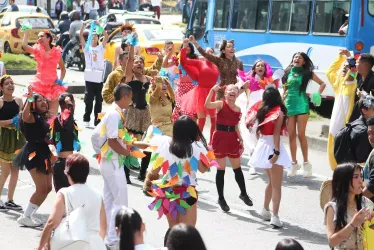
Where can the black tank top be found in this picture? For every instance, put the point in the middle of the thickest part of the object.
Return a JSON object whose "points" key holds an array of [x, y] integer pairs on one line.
{"points": [[139, 92], [35, 132], [9, 110]]}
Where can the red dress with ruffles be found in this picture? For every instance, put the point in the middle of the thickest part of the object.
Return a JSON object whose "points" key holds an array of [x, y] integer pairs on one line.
{"points": [[46, 72], [185, 85], [224, 143], [206, 74]]}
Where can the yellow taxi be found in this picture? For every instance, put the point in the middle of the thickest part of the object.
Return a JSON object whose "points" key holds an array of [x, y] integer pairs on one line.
{"points": [[10, 29], [152, 40]]}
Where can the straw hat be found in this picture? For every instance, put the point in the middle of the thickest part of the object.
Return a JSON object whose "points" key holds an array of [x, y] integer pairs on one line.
{"points": [[325, 193]]}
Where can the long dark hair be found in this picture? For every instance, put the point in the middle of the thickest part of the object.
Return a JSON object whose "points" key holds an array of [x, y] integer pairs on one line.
{"points": [[271, 98], [223, 47], [49, 36], [36, 96], [288, 244], [192, 54], [184, 237], [185, 132], [128, 221], [341, 181], [306, 72], [254, 67], [2, 81]]}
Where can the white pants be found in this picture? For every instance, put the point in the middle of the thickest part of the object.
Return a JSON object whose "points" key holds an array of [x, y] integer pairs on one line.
{"points": [[115, 195]]}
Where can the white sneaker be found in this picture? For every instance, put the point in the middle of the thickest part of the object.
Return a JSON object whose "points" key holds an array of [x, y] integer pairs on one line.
{"points": [[86, 124], [265, 214], [275, 221], [294, 168], [28, 222], [307, 169], [252, 171]]}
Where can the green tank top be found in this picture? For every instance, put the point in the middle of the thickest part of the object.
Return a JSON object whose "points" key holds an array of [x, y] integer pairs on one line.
{"points": [[297, 102]]}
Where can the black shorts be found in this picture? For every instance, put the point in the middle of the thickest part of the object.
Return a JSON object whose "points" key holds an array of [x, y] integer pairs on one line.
{"points": [[60, 180]]}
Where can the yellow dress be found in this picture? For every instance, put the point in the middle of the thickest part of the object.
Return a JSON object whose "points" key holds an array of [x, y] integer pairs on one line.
{"points": [[345, 92]]}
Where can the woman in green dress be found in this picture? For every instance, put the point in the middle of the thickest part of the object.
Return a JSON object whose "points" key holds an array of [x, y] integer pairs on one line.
{"points": [[295, 81]]}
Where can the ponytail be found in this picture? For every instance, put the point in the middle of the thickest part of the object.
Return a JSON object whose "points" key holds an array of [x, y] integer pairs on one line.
{"points": [[128, 221]]}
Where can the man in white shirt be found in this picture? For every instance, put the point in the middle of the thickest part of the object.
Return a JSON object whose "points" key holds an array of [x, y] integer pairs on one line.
{"points": [[93, 73]]}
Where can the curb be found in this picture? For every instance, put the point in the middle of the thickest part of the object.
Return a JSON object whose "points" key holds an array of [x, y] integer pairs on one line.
{"points": [[16, 72], [73, 89]]}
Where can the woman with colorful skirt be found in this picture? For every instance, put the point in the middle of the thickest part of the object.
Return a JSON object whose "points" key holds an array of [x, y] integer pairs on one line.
{"points": [[35, 156], [161, 98], [48, 57], [185, 83], [295, 81], [11, 139], [179, 158], [227, 141], [270, 154], [206, 77], [227, 63]]}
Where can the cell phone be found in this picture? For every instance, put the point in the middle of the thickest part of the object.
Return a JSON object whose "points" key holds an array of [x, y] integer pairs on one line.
{"points": [[270, 156], [352, 62]]}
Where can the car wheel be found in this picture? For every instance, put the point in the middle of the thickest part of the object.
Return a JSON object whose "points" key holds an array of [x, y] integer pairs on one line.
{"points": [[7, 48]]}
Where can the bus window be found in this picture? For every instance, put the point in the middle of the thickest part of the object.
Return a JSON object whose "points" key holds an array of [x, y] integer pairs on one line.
{"points": [[250, 14], [371, 7], [291, 16], [198, 20], [221, 14], [330, 16]]}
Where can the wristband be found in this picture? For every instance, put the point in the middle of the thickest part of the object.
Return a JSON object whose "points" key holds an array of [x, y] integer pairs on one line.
{"points": [[352, 226], [276, 152], [30, 99]]}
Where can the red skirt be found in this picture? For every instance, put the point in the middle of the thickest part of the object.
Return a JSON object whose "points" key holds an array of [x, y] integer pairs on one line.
{"points": [[194, 101], [226, 144]]}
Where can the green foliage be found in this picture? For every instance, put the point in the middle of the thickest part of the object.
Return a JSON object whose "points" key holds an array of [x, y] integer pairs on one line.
{"points": [[18, 61]]}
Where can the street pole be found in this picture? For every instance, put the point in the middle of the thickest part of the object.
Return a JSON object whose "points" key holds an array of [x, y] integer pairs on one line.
{"points": [[49, 7]]}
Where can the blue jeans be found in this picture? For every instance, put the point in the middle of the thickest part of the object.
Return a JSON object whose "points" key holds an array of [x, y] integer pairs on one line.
{"points": [[132, 5], [67, 48]]}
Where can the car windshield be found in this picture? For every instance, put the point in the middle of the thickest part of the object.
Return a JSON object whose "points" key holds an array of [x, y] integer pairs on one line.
{"points": [[125, 19], [36, 22], [25, 8], [153, 35]]}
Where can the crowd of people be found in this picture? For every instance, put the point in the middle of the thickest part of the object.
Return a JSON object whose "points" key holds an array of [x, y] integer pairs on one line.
{"points": [[160, 124]]}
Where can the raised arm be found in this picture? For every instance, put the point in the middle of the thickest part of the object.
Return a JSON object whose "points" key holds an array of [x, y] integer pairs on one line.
{"points": [[191, 69], [81, 38], [213, 105], [155, 90], [105, 40], [25, 43], [167, 63], [129, 65], [26, 114], [332, 72], [155, 66], [211, 58]]}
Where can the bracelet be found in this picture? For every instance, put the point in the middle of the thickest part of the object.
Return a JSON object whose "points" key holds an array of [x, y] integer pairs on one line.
{"points": [[276, 152], [352, 226]]}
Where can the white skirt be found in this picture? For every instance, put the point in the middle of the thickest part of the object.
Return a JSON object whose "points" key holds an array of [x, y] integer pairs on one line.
{"points": [[264, 148]]}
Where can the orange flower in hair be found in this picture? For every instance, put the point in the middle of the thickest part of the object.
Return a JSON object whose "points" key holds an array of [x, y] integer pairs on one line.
{"points": [[127, 26]]}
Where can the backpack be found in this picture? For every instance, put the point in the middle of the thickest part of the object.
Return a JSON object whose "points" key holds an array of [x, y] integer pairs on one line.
{"points": [[343, 148]]}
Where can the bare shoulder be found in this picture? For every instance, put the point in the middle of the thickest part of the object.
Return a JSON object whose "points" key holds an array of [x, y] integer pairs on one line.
{"points": [[1, 102]]}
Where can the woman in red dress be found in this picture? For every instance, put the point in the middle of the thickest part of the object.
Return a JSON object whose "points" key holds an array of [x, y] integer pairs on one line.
{"points": [[206, 74], [227, 141]]}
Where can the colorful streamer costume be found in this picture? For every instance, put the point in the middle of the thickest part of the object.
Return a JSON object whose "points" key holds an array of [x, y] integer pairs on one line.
{"points": [[265, 145], [206, 75], [35, 153], [175, 191], [45, 79], [225, 141], [64, 136], [345, 92], [11, 139]]}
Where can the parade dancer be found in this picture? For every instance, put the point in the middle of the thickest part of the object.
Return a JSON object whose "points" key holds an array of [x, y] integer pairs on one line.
{"points": [[48, 57], [111, 141], [295, 81], [179, 157], [227, 63], [161, 108], [270, 154], [35, 155], [342, 77], [64, 137], [94, 72], [227, 141], [11, 139], [207, 76], [170, 64], [185, 83]]}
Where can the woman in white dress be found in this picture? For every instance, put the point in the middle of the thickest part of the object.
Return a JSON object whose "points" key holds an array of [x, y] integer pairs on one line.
{"points": [[79, 194]]}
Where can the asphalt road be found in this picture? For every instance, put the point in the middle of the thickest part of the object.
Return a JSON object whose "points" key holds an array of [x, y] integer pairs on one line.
{"points": [[241, 229]]}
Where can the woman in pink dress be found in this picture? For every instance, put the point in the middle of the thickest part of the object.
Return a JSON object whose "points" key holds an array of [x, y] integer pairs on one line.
{"points": [[46, 82]]}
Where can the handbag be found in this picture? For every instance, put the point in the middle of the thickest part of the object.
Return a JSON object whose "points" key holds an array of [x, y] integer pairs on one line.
{"points": [[95, 76], [71, 234]]}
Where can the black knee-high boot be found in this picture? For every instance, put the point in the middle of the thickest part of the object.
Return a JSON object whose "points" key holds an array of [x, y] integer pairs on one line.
{"points": [[144, 165], [239, 177], [220, 182], [127, 173], [166, 236]]}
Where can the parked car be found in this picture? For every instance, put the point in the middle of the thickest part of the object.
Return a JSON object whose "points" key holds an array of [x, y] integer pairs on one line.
{"points": [[11, 35], [25, 8], [151, 40]]}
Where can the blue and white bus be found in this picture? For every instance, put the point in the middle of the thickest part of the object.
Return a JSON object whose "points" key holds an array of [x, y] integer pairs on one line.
{"points": [[273, 30]]}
